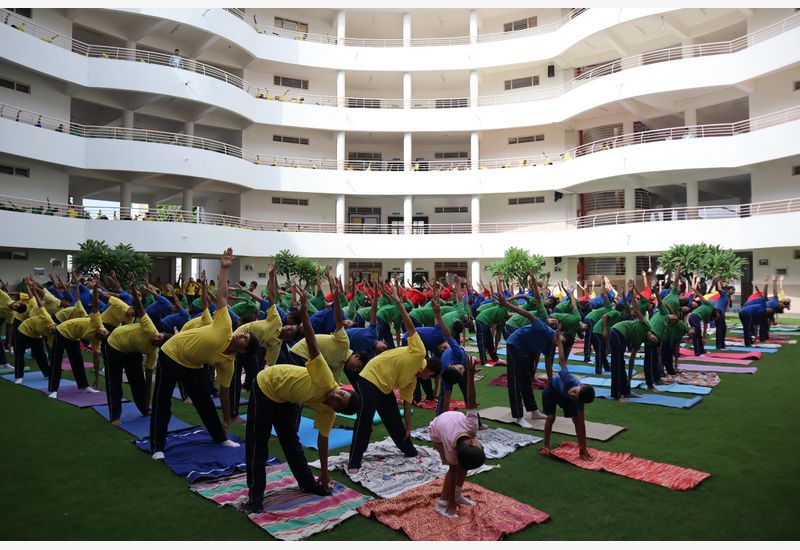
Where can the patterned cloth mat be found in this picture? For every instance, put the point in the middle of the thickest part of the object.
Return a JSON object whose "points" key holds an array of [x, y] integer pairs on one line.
{"points": [[594, 430], [502, 380], [289, 513], [387, 472], [627, 465], [497, 442], [493, 515], [706, 379], [431, 404]]}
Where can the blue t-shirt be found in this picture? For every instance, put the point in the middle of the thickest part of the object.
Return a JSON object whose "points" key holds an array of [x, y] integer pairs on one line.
{"points": [[773, 303], [556, 390], [755, 307], [363, 340], [722, 302], [125, 297], [431, 337], [598, 301], [158, 309], [534, 338], [454, 355], [324, 321], [175, 320]]}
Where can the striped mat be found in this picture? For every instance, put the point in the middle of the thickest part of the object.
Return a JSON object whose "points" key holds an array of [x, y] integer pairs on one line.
{"points": [[493, 515], [289, 513], [627, 465]]}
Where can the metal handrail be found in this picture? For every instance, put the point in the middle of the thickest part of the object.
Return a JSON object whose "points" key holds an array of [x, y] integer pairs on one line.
{"points": [[46, 122], [288, 96], [653, 215]]}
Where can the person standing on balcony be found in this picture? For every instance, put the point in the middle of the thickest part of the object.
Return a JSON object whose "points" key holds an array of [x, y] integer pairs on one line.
{"points": [[175, 59], [182, 358]]}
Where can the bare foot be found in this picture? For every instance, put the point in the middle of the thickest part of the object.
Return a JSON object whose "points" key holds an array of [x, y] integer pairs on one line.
{"points": [[652, 389], [352, 470], [238, 420], [188, 400], [117, 422]]}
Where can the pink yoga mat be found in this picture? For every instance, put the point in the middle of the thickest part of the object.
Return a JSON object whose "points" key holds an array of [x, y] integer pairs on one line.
{"points": [[728, 356], [627, 465], [688, 354], [66, 366], [718, 368], [73, 396]]}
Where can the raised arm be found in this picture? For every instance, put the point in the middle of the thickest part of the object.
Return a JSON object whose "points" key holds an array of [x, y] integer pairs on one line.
{"points": [[225, 263], [338, 317], [373, 309], [437, 311], [137, 300], [500, 299], [394, 296], [311, 338]]}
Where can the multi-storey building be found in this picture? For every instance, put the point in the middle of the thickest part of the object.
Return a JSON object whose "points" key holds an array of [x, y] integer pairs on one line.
{"points": [[399, 141]]}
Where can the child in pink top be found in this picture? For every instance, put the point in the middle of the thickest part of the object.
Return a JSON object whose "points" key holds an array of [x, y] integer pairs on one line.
{"points": [[454, 436]]}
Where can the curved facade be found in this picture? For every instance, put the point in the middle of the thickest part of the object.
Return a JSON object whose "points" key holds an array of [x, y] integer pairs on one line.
{"points": [[408, 142]]}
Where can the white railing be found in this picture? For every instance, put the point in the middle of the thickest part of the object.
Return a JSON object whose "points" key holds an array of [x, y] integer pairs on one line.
{"points": [[174, 215], [288, 96], [45, 122], [399, 42]]}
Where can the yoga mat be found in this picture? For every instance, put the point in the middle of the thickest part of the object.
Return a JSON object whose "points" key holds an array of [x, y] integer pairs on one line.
{"points": [[736, 348], [654, 399], [430, 404], [10, 370], [627, 465], [135, 424], [709, 358], [683, 388], [493, 516], [775, 329], [497, 442], [582, 369], [502, 381], [65, 365], [289, 513], [490, 363], [755, 355], [718, 368], [606, 382], [737, 344], [376, 418], [69, 393], [387, 472], [695, 379], [36, 380], [594, 430], [194, 455], [308, 435]]}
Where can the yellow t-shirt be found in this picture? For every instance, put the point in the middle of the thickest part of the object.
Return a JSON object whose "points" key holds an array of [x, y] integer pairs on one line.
{"points": [[37, 324], [73, 312], [205, 345], [304, 386], [268, 332], [136, 337], [5, 299], [197, 322], [51, 303], [82, 329], [335, 348], [397, 368], [116, 312], [190, 288]]}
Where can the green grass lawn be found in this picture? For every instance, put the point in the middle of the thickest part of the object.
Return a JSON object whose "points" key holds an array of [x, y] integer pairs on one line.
{"points": [[68, 474]]}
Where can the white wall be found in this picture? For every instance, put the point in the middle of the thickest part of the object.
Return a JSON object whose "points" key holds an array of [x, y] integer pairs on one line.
{"points": [[775, 92], [779, 258], [319, 82], [494, 144], [495, 209], [52, 19], [45, 97], [774, 180], [257, 205], [13, 271], [259, 138], [45, 181], [316, 24]]}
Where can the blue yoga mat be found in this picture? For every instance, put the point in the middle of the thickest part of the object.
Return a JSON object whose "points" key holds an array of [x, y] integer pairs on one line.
{"points": [[654, 399], [194, 455], [135, 424], [606, 382], [176, 394], [580, 369], [684, 388], [308, 435], [36, 380], [748, 349], [376, 418]]}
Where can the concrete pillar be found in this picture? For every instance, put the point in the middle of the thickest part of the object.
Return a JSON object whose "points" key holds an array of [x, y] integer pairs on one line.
{"points": [[124, 200], [340, 150], [408, 213], [473, 27], [340, 214], [340, 270], [127, 122], [340, 27], [627, 127], [406, 90], [630, 198], [129, 55], [340, 89], [474, 150], [406, 30], [407, 151], [186, 268], [475, 213], [188, 202], [475, 273], [188, 129], [692, 194], [630, 268], [407, 273], [473, 88], [690, 117]]}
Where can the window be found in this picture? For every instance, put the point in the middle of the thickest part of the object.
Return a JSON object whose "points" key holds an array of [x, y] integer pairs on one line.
{"points": [[451, 209], [363, 103], [523, 82], [24, 12], [521, 24], [526, 200], [288, 139], [456, 155], [450, 265], [15, 171], [18, 86], [796, 170], [604, 266], [646, 263], [796, 86], [290, 25], [451, 103], [290, 82], [14, 255], [797, 254], [290, 201], [525, 139]]}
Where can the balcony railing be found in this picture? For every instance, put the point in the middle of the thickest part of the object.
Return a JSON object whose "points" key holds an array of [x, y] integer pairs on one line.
{"points": [[272, 93], [399, 42], [45, 122], [656, 215]]}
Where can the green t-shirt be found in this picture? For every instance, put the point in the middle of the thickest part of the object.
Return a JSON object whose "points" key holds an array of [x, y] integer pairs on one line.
{"points": [[634, 331], [492, 315], [659, 320], [570, 322], [672, 300], [452, 317], [676, 331], [614, 317], [423, 316], [705, 311], [596, 314], [564, 307], [517, 321]]}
